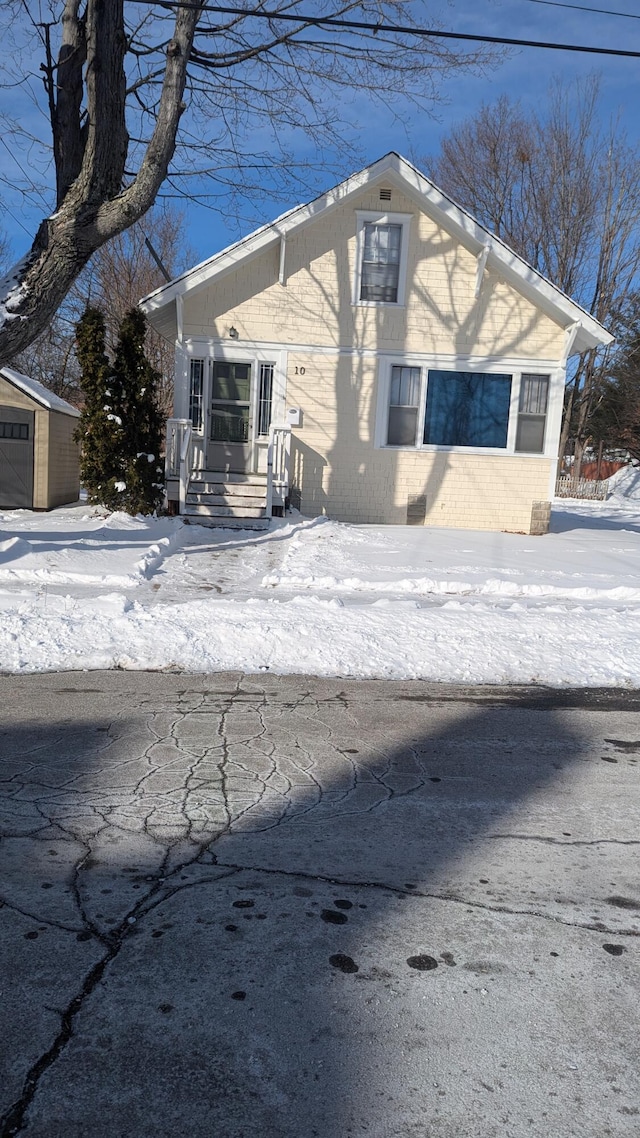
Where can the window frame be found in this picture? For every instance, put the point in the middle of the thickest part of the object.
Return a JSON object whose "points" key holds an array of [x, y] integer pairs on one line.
{"points": [[381, 217], [530, 416], [517, 371], [196, 399]]}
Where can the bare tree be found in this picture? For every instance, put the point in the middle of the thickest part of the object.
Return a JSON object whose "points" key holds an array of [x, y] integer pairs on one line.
{"points": [[126, 84], [616, 421], [564, 193], [51, 358], [118, 274], [126, 269]]}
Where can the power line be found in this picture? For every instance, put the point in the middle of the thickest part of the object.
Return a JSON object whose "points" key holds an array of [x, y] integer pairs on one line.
{"points": [[30, 182], [16, 219], [584, 8], [362, 25]]}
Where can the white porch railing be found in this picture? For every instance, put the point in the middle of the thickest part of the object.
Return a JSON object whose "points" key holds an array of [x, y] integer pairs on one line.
{"points": [[185, 466], [175, 432], [178, 456], [278, 466]]}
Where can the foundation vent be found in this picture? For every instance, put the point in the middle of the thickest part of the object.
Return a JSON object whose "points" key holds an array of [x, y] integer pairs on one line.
{"points": [[417, 510]]}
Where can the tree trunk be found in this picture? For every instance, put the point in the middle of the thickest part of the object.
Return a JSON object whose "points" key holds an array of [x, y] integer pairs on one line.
{"points": [[95, 207]]}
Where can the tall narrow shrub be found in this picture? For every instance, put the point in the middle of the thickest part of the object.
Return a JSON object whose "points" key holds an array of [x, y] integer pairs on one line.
{"points": [[135, 385], [99, 431]]}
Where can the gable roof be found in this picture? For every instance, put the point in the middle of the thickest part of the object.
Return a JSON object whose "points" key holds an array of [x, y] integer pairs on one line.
{"points": [[159, 305], [38, 392]]}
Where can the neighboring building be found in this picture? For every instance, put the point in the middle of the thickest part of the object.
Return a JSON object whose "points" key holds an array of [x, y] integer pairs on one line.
{"points": [[39, 461], [418, 362]]}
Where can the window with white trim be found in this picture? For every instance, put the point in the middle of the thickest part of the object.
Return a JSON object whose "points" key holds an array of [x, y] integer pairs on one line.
{"points": [[196, 380], [404, 401], [532, 413], [265, 397], [381, 262], [475, 409]]}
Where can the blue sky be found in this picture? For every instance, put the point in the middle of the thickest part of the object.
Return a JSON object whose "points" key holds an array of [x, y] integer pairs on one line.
{"points": [[525, 74]]}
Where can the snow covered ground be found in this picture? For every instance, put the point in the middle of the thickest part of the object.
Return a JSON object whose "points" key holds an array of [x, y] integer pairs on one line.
{"points": [[81, 589]]}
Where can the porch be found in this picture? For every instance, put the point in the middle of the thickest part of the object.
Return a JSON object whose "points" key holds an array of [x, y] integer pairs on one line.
{"points": [[225, 497]]}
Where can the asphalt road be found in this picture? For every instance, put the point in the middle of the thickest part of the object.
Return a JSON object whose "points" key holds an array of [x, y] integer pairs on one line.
{"points": [[287, 907]]}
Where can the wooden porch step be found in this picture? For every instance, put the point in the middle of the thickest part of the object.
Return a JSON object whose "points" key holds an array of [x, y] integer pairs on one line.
{"points": [[233, 490], [229, 477], [256, 524], [232, 502], [204, 509]]}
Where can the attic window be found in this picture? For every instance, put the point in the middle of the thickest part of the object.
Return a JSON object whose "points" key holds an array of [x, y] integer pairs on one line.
{"points": [[381, 257], [385, 195]]}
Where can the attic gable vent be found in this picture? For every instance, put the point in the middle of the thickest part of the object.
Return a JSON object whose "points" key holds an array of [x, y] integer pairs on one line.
{"points": [[385, 195]]}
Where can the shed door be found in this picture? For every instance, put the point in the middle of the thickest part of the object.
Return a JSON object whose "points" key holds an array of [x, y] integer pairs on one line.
{"points": [[16, 458]]}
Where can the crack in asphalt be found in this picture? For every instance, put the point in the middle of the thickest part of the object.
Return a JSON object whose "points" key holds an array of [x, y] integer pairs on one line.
{"points": [[427, 895], [252, 774]]}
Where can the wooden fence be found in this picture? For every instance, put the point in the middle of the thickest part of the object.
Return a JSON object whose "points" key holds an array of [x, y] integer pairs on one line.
{"points": [[567, 487]]}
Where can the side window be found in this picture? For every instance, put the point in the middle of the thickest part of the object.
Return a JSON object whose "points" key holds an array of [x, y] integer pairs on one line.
{"points": [[380, 271], [196, 376], [467, 409], [532, 413], [265, 395], [404, 399]]}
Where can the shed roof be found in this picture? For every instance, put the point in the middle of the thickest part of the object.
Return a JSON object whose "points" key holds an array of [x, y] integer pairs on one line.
{"points": [[38, 392], [587, 332]]}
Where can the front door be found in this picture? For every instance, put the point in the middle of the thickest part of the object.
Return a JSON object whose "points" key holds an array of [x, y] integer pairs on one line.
{"points": [[229, 434]]}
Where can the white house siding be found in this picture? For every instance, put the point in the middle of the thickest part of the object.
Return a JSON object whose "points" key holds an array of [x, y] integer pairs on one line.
{"points": [[337, 467], [314, 306]]}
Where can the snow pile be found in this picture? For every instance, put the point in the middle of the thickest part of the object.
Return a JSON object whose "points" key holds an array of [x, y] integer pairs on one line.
{"points": [[78, 590], [118, 551]]}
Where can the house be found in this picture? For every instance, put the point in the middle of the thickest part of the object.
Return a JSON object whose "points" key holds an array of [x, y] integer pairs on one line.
{"points": [[39, 460], [375, 355]]}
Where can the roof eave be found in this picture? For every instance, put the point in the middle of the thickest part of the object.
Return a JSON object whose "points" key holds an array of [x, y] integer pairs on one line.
{"points": [[535, 287]]}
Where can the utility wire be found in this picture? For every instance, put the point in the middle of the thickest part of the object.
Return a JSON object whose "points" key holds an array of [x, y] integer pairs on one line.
{"points": [[16, 219], [362, 25], [584, 8], [32, 186]]}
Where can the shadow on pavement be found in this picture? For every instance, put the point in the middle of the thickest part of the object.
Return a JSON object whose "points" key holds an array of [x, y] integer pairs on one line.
{"points": [[298, 907]]}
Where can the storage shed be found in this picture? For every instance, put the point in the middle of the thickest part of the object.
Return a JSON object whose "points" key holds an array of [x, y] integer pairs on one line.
{"points": [[39, 461]]}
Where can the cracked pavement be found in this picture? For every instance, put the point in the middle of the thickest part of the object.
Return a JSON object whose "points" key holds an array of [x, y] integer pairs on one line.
{"points": [[283, 906]]}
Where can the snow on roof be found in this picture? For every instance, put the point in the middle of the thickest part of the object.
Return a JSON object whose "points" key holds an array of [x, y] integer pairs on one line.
{"points": [[39, 392]]}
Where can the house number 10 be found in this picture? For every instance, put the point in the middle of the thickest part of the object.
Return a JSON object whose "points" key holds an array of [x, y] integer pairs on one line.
{"points": [[300, 370]]}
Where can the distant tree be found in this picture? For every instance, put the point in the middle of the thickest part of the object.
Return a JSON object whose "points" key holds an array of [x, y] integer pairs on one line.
{"points": [[124, 270], [134, 385], [52, 360], [565, 194], [616, 421], [99, 431], [117, 276]]}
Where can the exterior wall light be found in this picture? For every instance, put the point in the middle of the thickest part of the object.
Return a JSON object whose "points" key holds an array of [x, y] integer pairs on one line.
{"points": [[233, 333]]}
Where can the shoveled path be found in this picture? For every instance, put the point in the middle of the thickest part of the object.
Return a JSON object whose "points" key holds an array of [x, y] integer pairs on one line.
{"points": [[285, 907]]}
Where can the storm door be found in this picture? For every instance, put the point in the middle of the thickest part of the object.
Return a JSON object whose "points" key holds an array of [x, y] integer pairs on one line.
{"points": [[16, 458], [229, 434]]}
